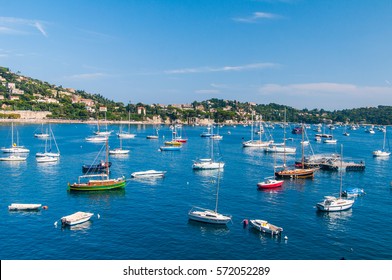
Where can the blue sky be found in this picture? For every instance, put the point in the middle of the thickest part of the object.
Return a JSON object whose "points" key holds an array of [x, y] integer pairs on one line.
{"points": [[329, 54]]}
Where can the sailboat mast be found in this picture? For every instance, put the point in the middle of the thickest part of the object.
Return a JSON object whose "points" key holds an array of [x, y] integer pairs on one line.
{"points": [[303, 147], [107, 157], [217, 191], [341, 170], [284, 140]]}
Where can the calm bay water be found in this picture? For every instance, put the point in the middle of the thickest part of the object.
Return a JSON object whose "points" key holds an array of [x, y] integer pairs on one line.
{"points": [[148, 219]]}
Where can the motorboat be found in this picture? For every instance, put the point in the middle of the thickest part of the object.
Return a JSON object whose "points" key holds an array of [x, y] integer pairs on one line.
{"points": [[100, 167], [265, 227], [13, 158], [76, 218], [270, 183], [207, 163], [148, 174], [24, 207], [353, 192], [96, 139]]}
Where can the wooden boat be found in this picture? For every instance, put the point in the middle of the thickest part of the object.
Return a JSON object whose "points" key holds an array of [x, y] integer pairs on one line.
{"points": [[102, 183], [265, 227], [76, 218], [24, 207], [298, 173], [98, 182], [148, 174]]}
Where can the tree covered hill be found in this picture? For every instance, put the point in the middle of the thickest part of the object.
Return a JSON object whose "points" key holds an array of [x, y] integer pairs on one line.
{"points": [[18, 92]]}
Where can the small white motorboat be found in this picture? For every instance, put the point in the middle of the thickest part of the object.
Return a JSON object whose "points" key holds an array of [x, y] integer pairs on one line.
{"points": [[266, 227], [24, 207], [13, 158], [76, 218], [148, 174]]}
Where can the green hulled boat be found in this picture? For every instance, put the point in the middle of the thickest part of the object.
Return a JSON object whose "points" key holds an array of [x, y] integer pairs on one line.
{"points": [[98, 182]]}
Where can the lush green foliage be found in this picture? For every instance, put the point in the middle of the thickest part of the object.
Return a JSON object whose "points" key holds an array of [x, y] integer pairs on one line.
{"points": [[215, 109]]}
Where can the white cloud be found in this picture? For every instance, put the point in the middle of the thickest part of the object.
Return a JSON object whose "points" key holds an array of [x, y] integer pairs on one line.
{"points": [[87, 76], [257, 16], [326, 95], [11, 25], [208, 69]]}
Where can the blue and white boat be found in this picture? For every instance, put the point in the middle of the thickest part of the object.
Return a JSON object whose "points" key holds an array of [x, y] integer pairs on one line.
{"points": [[353, 192]]}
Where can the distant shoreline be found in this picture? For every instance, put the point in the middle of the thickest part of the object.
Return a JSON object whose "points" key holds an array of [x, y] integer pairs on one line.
{"points": [[40, 121]]}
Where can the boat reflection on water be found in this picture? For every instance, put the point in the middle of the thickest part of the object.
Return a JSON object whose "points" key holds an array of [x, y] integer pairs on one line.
{"points": [[99, 195], [79, 227], [207, 229], [335, 221]]}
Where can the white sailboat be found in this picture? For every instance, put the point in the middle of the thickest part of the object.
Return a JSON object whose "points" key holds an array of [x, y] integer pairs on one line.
{"points": [[256, 143], [384, 152], [332, 203], [48, 148], [208, 163], [124, 134], [102, 133], [15, 148], [119, 151], [209, 216], [42, 134]]}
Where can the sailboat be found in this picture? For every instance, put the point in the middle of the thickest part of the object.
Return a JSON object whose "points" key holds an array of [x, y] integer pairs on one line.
{"points": [[102, 133], [124, 134], [42, 134], [209, 216], [154, 136], [383, 152], [119, 151], [15, 148], [270, 182], [48, 147], [333, 204], [98, 182], [208, 163], [256, 143], [296, 173]]}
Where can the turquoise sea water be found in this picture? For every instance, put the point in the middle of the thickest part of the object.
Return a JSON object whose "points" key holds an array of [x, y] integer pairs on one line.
{"points": [[148, 219]]}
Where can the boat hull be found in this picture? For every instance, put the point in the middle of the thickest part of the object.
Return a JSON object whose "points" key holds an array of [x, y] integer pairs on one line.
{"points": [[270, 184], [76, 218], [208, 217], [295, 174], [265, 227], [98, 185], [335, 206]]}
